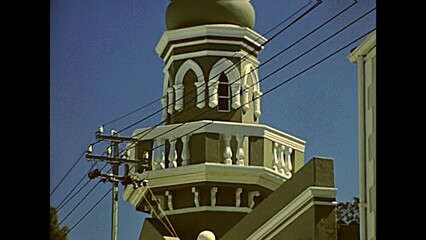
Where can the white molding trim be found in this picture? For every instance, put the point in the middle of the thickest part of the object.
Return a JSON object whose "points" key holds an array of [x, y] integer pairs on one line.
{"points": [[363, 48], [281, 219], [232, 128], [204, 53], [208, 41], [185, 67], [206, 209], [221, 30], [166, 102], [250, 70]]}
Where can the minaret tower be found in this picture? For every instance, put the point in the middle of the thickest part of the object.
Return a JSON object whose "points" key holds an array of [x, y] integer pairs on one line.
{"points": [[212, 162]]}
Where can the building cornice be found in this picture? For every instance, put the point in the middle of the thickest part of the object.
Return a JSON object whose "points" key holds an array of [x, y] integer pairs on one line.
{"points": [[207, 41], [221, 30], [212, 172]]}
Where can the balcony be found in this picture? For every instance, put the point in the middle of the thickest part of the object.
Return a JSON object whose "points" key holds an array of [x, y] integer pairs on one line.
{"points": [[227, 143]]}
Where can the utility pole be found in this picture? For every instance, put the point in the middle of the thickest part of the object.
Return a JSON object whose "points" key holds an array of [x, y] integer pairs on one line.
{"points": [[113, 157], [114, 221]]}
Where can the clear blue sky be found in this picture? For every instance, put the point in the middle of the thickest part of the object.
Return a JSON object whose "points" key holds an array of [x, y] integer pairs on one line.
{"points": [[103, 65]]}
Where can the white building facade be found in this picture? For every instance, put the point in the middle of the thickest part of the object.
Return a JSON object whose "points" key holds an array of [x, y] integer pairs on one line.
{"points": [[365, 56]]}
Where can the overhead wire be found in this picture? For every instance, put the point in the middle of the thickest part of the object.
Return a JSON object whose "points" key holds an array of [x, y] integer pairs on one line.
{"points": [[65, 201], [69, 171], [78, 204], [90, 210], [66, 174], [162, 211], [159, 218]]}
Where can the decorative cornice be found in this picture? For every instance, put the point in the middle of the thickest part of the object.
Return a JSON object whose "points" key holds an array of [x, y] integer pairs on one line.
{"points": [[207, 41], [213, 172], [221, 30]]}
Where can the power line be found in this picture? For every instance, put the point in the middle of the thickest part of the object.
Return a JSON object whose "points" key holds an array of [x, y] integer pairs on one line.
{"points": [[162, 211], [158, 217], [65, 201], [78, 204], [66, 175], [91, 209], [132, 112], [277, 70], [285, 20], [317, 63], [296, 20], [69, 171]]}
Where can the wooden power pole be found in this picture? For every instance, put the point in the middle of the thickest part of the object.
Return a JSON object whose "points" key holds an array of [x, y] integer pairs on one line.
{"points": [[113, 157]]}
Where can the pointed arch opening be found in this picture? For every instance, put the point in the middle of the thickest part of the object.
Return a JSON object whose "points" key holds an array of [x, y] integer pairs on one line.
{"points": [[222, 70], [199, 84]]}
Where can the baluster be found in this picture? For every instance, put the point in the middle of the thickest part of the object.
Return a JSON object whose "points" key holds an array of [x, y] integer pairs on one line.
{"points": [[275, 164], [159, 156], [228, 151], [282, 159], [172, 154], [185, 150], [288, 166], [240, 150]]}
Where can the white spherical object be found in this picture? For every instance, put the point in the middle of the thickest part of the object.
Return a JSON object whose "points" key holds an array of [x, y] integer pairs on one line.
{"points": [[206, 235]]}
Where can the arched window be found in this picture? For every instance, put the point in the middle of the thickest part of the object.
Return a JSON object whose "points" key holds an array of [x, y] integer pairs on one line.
{"points": [[224, 93]]}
